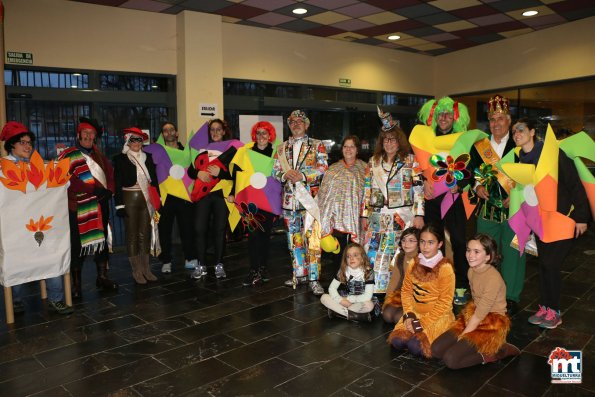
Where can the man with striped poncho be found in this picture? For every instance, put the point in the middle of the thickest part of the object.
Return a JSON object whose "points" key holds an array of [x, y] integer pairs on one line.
{"points": [[91, 188]]}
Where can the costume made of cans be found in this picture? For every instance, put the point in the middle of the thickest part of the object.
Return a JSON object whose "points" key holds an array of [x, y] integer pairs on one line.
{"points": [[312, 163], [340, 198], [393, 196]]}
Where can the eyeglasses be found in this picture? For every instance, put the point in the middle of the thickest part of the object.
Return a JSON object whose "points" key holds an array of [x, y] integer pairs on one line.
{"points": [[389, 140], [135, 140], [295, 121], [26, 143]]}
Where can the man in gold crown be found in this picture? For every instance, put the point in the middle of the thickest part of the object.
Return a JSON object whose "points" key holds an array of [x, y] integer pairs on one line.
{"points": [[492, 190]]}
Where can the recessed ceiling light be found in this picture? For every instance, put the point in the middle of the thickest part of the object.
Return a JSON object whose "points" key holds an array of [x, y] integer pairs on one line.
{"points": [[300, 11], [394, 37], [76, 74], [73, 86], [530, 13], [154, 86]]}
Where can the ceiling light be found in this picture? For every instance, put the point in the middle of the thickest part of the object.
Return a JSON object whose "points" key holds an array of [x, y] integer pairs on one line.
{"points": [[154, 86], [530, 13], [300, 11], [76, 74], [394, 37], [73, 86]]}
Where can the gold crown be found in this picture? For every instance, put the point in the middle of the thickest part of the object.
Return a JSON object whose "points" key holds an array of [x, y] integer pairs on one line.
{"points": [[498, 103]]}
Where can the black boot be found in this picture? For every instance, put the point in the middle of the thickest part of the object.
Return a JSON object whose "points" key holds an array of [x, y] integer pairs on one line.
{"points": [[103, 282], [75, 276], [363, 317]]}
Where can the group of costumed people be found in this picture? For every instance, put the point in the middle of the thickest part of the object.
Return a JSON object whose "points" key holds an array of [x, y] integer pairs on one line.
{"points": [[520, 188], [385, 221]]}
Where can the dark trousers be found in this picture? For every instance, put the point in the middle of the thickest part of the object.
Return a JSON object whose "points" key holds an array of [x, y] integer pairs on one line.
{"points": [[455, 222], [176, 209], [212, 205], [76, 257], [550, 259], [344, 239], [259, 241]]}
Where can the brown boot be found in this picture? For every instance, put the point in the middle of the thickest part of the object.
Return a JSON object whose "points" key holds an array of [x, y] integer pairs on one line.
{"points": [[507, 350], [146, 267], [103, 282], [75, 276], [137, 273]]}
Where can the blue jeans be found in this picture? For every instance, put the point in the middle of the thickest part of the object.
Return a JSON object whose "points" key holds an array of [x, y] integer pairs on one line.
{"points": [[54, 287]]}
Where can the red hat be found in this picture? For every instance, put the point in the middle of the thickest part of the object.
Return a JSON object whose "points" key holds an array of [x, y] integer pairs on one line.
{"points": [[265, 125], [12, 128], [136, 131], [85, 126]]}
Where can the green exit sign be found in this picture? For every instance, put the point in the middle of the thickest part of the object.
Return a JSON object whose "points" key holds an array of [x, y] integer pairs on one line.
{"points": [[344, 82], [19, 57]]}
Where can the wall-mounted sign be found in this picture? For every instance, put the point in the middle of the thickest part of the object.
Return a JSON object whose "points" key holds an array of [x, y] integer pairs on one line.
{"points": [[344, 82], [208, 110], [25, 58]]}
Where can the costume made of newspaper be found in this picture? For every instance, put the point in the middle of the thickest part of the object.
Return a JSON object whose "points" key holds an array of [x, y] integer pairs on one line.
{"points": [[393, 196], [307, 156]]}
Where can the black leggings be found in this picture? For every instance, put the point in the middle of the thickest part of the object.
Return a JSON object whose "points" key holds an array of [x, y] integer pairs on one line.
{"points": [[259, 241], [550, 259], [213, 204], [455, 353]]}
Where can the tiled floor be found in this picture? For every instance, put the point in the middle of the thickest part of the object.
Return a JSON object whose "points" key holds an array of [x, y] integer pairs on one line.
{"points": [[178, 337]]}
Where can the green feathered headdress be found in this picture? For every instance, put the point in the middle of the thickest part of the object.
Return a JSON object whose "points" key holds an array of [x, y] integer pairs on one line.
{"points": [[429, 112]]}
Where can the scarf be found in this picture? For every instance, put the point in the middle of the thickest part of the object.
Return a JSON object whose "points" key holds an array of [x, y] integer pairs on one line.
{"points": [[430, 262], [533, 156], [143, 180], [88, 212]]}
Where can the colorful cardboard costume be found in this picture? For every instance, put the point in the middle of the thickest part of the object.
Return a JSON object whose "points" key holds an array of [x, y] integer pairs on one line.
{"points": [[171, 165], [433, 152], [213, 153], [34, 229], [255, 187], [533, 201]]}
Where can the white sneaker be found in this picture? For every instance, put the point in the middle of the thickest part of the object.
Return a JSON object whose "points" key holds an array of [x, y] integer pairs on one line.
{"points": [[191, 264], [316, 288], [201, 270], [166, 268], [220, 271]]}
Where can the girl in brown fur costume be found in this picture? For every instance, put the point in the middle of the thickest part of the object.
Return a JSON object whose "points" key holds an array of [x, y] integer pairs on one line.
{"points": [[392, 309], [479, 334], [427, 294]]}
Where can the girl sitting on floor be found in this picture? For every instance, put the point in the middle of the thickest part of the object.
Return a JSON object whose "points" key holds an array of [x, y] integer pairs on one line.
{"points": [[392, 309], [479, 333], [427, 293], [350, 293]]}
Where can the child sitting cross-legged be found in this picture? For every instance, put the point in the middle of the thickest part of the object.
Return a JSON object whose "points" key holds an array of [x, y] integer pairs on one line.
{"points": [[350, 293]]}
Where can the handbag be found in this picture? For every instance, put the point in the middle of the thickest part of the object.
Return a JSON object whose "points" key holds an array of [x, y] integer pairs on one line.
{"points": [[154, 197]]}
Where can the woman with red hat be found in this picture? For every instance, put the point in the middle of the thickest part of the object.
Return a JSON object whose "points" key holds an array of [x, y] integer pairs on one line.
{"points": [[135, 175], [18, 143]]}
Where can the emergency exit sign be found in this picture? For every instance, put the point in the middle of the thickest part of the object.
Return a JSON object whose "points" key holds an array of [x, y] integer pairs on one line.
{"points": [[23, 58], [344, 82]]}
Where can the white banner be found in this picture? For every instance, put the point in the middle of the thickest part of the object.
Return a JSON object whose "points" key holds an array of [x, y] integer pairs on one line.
{"points": [[34, 230]]}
